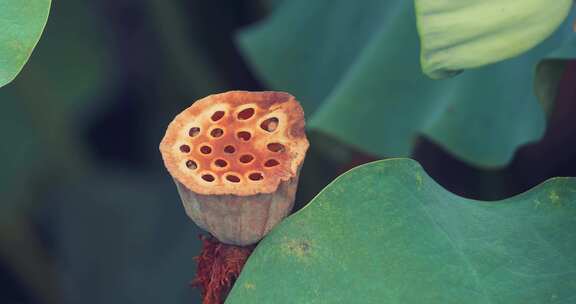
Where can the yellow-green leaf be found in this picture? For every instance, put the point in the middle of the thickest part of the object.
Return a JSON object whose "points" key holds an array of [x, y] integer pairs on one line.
{"points": [[461, 34]]}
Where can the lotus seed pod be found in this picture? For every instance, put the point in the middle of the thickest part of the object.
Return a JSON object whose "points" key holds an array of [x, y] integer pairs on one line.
{"points": [[235, 158]]}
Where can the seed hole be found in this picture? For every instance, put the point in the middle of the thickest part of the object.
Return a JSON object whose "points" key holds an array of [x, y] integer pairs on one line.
{"points": [[276, 147], [190, 164], [217, 132], [246, 158], [256, 176], [229, 149], [246, 114], [208, 177], [205, 150], [217, 115], [270, 124], [194, 131], [220, 163], [244, 135], [185, 148], [271, 163], [233, 178]]}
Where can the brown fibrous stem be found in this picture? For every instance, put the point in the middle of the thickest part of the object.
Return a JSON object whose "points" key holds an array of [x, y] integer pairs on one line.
{"points": [[219, 265]]}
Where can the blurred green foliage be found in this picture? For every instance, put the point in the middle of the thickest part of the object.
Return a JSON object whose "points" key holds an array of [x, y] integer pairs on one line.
{"points": [[550, 70], [45, 115], [386, 232], [357, 71]]}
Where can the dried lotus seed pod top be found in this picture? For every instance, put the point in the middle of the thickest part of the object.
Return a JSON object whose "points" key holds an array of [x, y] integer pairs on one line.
{"points": [[236, 144]]}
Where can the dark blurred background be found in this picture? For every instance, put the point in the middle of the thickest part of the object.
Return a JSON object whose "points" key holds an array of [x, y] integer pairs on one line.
{"points": [[88, 213]]}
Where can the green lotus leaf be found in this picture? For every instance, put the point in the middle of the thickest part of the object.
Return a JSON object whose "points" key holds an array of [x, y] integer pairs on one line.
{"points": [[464, 34], [22, 23], [356, 70], [385, 232]]}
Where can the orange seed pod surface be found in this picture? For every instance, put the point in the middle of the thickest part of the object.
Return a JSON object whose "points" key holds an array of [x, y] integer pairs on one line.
{"points": [[236, 158]]}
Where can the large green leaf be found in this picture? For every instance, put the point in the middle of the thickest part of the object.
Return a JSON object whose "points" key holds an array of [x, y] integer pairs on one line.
{"points": [[385, 232], [462, 34], [21, 24], [356, 69]]}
